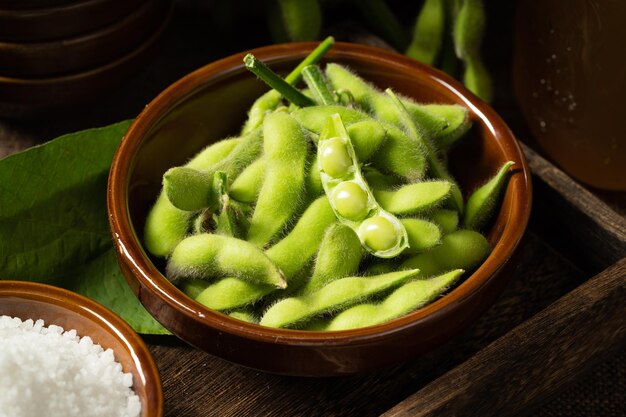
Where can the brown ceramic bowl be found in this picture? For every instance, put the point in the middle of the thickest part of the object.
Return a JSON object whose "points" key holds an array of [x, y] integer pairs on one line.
{"points": [[29, 300], [61, 20], [85, 51], [210, 104], [35, 97]]}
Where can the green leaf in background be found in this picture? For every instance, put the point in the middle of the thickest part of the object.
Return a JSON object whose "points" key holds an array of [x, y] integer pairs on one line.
{"points": [[54, 225]]}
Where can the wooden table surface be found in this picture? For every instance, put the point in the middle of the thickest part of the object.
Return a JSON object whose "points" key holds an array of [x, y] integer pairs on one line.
{"points": [[198, 384]]}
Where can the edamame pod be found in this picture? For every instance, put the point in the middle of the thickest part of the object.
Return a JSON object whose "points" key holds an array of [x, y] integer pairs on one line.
{"points": [[167, 225], [401, 301], [380, 232], [458, 123], [422, 234], [285, 153], [291, 254], [400, 155], [244, 315], [294, 20], [482, 202], [314, 187], [189, 189], [428, 32], [246, 186], [437, 167], [448, 220], [414, 198], [339, 256], [467, 34], [314, 118], [378, 180], [334, 296], [463, 249], [208, 255]]}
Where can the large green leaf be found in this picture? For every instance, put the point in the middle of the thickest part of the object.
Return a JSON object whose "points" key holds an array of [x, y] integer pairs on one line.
{"points": [[53, 220]]}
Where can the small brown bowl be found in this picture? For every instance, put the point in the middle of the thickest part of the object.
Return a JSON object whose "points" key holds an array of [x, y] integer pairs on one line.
{"points": [[210, 104], [85, 51], [35, 97], [61, 20], [29, 300]]}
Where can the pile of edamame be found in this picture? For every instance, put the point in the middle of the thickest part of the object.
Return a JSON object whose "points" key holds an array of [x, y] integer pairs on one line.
{"points": [[333, 209]]}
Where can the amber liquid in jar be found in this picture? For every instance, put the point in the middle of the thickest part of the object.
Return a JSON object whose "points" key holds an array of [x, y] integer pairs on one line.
{"points": [[570, 80]]}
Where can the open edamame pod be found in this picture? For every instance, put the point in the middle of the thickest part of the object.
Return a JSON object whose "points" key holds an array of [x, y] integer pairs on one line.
{"points": [[208, 255], [482, 202], [337, 295], [379, 231], [401, 301]]}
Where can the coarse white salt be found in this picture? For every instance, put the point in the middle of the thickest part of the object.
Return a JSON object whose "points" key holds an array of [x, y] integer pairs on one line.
{"points": [[46, 371]]}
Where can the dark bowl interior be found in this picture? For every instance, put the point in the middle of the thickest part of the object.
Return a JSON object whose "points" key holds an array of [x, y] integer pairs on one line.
{"points": [[28, 300], [211, 104]]}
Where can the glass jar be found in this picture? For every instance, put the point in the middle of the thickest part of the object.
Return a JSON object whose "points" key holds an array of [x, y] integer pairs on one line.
{"points": [[570, 81]]}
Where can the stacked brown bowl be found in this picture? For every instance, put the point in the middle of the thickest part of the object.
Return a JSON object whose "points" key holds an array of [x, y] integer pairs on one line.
{"points": [[57, 53]]}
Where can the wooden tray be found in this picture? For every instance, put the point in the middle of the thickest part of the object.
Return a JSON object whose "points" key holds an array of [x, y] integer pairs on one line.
{"points": [[523, 350]]}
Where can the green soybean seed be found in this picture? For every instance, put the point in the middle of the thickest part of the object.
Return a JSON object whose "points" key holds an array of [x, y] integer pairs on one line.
{"points": [[437, 167], [336, 295], [405, 299], [414, 198], [334, 158], [428, 32], [247, 185], [482, 203], [285, 154], [381, 233], [207, 255], [422, 234], [339, 256], [291, 255], [167, 225], [350, 200], [190, 189], [448, 220], [463, 249]]}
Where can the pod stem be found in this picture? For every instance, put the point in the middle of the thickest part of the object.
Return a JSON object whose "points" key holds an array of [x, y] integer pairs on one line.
{"points": [[318, 85], [311, 59], [272, 79]]}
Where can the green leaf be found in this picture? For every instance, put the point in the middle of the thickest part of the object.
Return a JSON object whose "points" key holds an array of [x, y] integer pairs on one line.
{"points": [[53, 221]]}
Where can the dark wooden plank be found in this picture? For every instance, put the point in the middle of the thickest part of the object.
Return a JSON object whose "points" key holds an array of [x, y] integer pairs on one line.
{"points": [[574, 219], [198, 384], [534, 360]]}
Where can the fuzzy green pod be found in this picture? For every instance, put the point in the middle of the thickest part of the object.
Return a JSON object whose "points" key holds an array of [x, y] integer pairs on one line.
{"points": [[167, 225], [422, 234], [378, 180], [457, 120], [190, 189], [401, 301], [291, 255], [246, 186], [285, 153], [414, 198], [294, 20], [467, 34], [380, 232], [314, 187], [244, 315], [463, 249], [339, 256], [482, 202], [336, 295], [400, 156], [209, 255], [428, 32], [448, 220], [436, 166]]}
